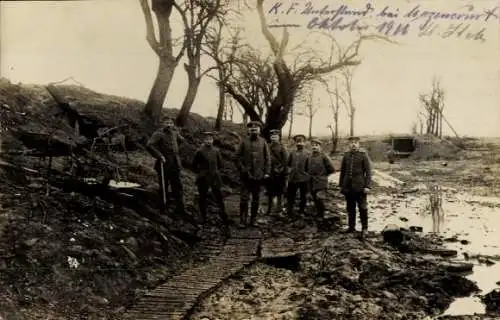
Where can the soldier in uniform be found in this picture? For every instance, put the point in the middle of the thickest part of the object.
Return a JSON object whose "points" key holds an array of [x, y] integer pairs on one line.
{"points": [[164, 146], [319, 167], [254, 163], [277, 180], [206, 163], [298, 178], [355, 183]]}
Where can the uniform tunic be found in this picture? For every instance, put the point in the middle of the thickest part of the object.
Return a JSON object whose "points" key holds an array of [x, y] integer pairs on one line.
{"points": [[355, 171], [297, 162], [254, 158], [279, 157], [319, 167], [206, 163], [167, 143]]}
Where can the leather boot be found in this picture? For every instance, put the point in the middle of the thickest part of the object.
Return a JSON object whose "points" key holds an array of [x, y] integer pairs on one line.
{"points": [[279, 205], [362, 235], [269, 205], [243, 215], [253, 215]]}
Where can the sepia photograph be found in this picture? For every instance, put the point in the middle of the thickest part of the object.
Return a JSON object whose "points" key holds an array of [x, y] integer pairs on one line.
{"points": [[249, 160]]}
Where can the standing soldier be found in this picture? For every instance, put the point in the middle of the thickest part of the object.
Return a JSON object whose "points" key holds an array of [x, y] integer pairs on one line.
{"points": [[355, 184], [277, 180], [298, 177], [206, 163], [254, 164], [164, 146], [319, 167]]}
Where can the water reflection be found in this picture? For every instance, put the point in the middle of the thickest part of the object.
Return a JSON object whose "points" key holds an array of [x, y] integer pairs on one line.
{"points": [[470, 224]]}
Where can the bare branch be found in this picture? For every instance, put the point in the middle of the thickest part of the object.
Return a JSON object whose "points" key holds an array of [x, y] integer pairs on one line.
{"points": [[150, 32], [273, 43]]}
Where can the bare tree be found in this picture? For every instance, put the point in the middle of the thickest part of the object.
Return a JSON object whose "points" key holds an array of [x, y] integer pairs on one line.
{"points": [[335, 100], [197, 16], [414, 128], [420, 119], [223, 54], [291, 116], [252, 82], [433, 106], [347, 75], [228, 110], [306, 68], [164, 49], [310, 109]]}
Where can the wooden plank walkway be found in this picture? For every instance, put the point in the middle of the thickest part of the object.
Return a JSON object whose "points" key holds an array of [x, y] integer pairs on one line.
{"points": [[176, 298], [285, 247]]}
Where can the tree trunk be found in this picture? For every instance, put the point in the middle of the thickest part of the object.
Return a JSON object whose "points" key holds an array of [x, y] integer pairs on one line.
{"points": [[310, 126], [193, 84], [441, 124], [222, 101], [351, 116], [291, 124], [336, 137], [158, 92]]}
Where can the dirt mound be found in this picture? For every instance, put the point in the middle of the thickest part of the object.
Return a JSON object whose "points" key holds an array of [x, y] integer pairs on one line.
{"points": [[426, 148], [70, 244]]}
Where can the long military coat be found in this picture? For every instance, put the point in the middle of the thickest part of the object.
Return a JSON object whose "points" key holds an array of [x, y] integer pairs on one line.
{"points": [[254, 159], [207, 163], [279, 157]]}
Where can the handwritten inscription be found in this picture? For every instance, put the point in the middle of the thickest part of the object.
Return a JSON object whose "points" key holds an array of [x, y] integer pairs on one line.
{"points": [[465, 22]]}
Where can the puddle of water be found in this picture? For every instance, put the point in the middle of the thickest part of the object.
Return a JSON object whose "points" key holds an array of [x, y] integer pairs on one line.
{"points": [[474, 223], [379, 178], [473, 220], [465, 306]]}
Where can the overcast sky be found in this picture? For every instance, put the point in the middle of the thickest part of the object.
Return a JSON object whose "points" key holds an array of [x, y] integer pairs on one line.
{"points": [[102, 45]]}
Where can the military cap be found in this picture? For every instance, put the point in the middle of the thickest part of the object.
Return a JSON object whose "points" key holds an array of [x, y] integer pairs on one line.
{"points": [[253, 124], [353, 138], [316, 141], [209, 133], [274, 132], [165, 118], [299, 136]]}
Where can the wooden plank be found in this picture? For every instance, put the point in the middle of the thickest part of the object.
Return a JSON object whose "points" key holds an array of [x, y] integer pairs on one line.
{"points": [[180, 286], [167, 297], [159, 306], [173, 299], [163, 295], [147, 311]]}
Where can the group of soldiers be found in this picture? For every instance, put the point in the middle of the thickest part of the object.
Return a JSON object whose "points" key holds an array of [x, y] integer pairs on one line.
{"points": [[266, 165]]}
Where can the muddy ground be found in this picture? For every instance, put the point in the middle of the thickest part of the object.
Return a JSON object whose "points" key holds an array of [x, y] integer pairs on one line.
{"points": [[69, 247], [347, 279], [76, 250]]}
